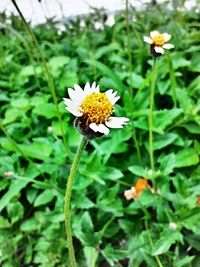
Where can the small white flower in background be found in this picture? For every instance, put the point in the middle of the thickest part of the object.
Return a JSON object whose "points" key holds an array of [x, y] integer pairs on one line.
{"points": [[50, 129], [8, 174], [172, 226], [93, 110], [130, 194], [149, 173], [159, 41]]}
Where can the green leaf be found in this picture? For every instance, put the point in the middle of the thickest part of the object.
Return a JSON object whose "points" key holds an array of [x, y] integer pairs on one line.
{"points": [[166, 240], [30, 225], [108, 72], [46, 110], [184, 261], [4, 223], [44, 198], [57, 62], [30, 70], [14, 189], [91, 255], [186, 157], [15, 211], [110, 173], [138, 170], [113, 255]]}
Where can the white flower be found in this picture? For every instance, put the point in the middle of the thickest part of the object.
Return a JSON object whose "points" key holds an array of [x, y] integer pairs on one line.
{"points": [[94, 109], [159, 41], [172, 226], [130, 194]]}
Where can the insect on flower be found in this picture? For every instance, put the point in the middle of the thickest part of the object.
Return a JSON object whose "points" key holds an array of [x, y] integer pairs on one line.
{"points": [[93, 110], [158, 42]]}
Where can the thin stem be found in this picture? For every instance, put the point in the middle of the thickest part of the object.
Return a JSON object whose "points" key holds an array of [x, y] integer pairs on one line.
{"points": [[151, 106], [17, 147], [130, 75], [48, 74], [67, 211], [172, 79], [129, 47], [151, 242]]}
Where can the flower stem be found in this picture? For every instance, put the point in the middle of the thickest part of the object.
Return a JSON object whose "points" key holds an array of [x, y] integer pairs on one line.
{"points": [[151, 242], [152, 91], [67, 211], [130, 70]]}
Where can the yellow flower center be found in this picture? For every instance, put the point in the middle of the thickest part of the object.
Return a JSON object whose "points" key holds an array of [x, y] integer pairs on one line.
{"points": [[158, 40], [96, 108]]}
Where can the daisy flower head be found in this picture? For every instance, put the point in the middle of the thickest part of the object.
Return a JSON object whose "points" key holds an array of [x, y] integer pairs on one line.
{"points": [[158, 42], [93, 110]]}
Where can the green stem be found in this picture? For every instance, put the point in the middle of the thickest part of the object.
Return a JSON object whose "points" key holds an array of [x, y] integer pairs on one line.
{"points": [[17, 147], [151, 106], [172, 79], [151, 242], [48, 74], [129, 48], [130, 75], [67, 211]]}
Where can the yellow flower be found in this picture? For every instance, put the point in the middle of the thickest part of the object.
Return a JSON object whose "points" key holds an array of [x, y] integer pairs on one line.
{"points": [[159, 41]]}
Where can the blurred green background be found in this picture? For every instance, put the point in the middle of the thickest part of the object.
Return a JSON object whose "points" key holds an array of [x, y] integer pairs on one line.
{"points": [[36, 151]]}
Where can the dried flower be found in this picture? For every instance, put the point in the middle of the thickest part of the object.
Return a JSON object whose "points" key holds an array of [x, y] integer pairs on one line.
{"points": [[93, 110], [137, 189], [198, 200], [158, 42]]}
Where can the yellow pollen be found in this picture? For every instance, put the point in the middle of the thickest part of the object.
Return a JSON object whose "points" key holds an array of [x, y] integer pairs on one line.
{"points": [[158, 40], [96, 108]]}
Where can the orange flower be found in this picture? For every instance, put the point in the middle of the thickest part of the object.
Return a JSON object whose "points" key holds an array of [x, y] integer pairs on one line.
{"points": [[198, 200], [140, 185], [136, 190]]}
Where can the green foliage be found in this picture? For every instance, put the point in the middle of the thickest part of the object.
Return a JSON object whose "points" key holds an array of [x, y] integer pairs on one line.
{"points": [[108, 229]]}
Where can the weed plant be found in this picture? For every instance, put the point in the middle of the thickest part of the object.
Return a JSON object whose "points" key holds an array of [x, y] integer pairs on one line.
{"points": [[38, 142]]}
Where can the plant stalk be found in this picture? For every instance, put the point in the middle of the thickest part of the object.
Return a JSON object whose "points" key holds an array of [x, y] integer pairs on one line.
{"points": [[67, 211], [151, 106]]}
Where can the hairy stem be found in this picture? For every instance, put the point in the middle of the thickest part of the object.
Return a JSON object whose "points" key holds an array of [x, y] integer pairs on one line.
{"points": [[67, 211]]}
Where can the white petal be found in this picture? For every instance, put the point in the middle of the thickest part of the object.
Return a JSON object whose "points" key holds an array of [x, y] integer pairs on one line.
{"points": [[75, 96], [112, 96], [78, 88], [154, 33], [99, 128], [168, 46], [72, 107], [167, 36], [116, 122], [93, 86], [74, 111], [87, 88], [68, 101], [159, 50], [97, 89], [148, 40], [72, 94]]}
